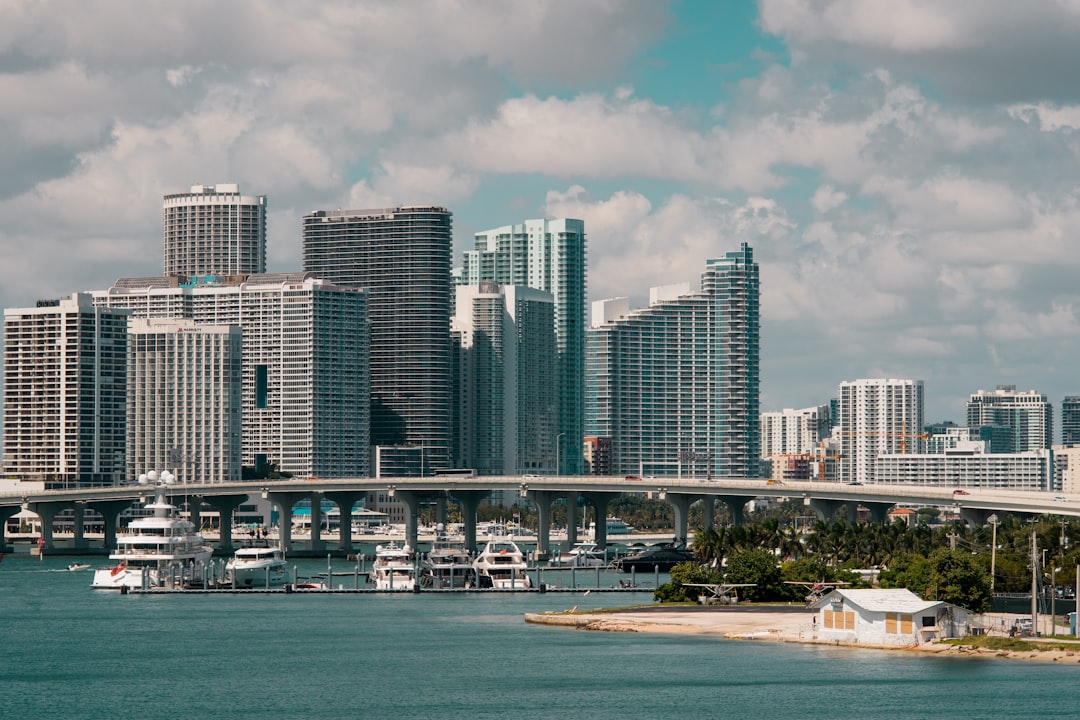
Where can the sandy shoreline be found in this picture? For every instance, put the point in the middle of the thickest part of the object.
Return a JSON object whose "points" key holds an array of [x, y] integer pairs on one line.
{"points": [[757, 623]]}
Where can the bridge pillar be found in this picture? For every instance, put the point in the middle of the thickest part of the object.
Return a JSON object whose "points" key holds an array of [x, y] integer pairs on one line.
{"points": [[600, 502], [411, 500], [47, 512], [79, 541], [345, 502], [681, 504], [826, 509], [226, 506], [879, 512], [708, 508], [285, 502], [440, 511], [571, 521], [194, 504], [318, 546], [543, 500], [470, 500], [6, 513], [110, 510], [735, 505]]}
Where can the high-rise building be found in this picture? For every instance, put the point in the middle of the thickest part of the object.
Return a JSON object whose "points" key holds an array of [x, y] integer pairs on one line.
{"points": [[214, 230], [794, 432], [305, 353], [184, 399], [65, 393], [1070, 420], [509, 406], [401, 257], [674, 387], [547, 255], [1029, 417], [878, 417]]}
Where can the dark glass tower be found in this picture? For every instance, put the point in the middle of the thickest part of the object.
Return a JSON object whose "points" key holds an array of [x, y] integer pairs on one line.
{"points": [[401, 257]]}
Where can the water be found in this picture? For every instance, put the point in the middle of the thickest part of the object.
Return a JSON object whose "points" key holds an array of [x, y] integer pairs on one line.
{"points": [[70, 652]]}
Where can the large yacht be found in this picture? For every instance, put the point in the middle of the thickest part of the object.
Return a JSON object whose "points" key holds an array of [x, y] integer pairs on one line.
{"points": [[501, 565], [394, 567], [447, 565], [158, 549], [256, 567]]}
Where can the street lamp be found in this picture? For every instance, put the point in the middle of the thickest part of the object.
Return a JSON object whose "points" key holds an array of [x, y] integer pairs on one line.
{"points": [[558, 456]]}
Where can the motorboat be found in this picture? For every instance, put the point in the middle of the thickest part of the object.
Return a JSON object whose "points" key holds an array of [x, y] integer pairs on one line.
{"points": [[447, 565], [394, 567], [501, 565], [660, 557], [256, 567], [158, 549], [583, 554], [78, 566], [614, 526]]}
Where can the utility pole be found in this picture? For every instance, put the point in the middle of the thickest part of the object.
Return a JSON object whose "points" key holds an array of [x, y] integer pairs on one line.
{"points": [[1034, 582], [993, 552]]}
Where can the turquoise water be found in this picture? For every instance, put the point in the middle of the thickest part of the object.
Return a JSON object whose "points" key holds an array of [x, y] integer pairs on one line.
{"points": [[70, 652]]}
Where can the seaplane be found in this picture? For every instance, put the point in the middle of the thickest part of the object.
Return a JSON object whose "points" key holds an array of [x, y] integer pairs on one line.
{"points": [[722, 593], [817, 589]]}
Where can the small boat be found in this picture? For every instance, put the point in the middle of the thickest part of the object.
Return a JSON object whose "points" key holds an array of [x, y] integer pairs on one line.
{"points": [[394, 567], [78, 566], [583, 554], [447, 565], [502, 565], [256, 567], [158, 549]]}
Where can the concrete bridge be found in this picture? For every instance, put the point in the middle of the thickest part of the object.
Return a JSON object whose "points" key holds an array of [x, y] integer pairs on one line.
{"points": [[974, 504]]}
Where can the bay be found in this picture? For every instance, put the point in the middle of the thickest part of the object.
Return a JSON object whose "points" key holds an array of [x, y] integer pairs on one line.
{"points": [[71, 652]]}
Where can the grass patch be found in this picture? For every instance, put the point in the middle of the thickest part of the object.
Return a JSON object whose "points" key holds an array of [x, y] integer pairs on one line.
{"points": [[1006, 643]]}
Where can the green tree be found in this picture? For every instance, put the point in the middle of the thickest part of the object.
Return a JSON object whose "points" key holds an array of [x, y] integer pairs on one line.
{"points": [[911, 571], [760, 567], [958, 579]]}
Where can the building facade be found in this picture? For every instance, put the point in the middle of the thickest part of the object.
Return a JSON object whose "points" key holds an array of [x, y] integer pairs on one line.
{"points": [[305, 393], [401, 258], [878, 417], [65, 393], [674, 387], [507, 360], [1029, 417], [794, 432], [968, 466], [184, 399], [547, 255], [1070, 420], [214, 230]]}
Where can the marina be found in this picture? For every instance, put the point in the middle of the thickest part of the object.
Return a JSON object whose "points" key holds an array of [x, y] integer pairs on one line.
{"points": [[228, 643]]}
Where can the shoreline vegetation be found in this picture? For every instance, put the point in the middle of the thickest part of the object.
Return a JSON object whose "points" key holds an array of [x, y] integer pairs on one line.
{"points": [[770, 623]]}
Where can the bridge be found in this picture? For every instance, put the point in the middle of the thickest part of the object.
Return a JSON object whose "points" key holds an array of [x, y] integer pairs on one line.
{"points": [[973, 504]]}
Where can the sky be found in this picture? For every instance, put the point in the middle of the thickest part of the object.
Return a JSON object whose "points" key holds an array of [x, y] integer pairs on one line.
{"points": [[905, 170]]}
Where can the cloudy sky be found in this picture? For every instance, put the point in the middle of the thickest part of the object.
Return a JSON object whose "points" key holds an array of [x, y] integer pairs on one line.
{"points": [[906, 170]]}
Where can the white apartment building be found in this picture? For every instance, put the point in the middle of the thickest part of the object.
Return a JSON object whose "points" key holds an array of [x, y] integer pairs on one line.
{"points": [[967, 466], [305, 388], [879, 416], [794, 432], [214, 230], [184, 399], [507, 363], [65, 391], [1027, 416]]}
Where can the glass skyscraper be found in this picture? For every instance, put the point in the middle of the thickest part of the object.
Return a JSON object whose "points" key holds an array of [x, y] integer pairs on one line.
{"points": [[546, 255], [675, 386], [401, 257]]}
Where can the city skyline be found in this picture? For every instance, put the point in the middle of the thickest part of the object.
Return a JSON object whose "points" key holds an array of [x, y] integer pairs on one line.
{"points": [[905, 174]]}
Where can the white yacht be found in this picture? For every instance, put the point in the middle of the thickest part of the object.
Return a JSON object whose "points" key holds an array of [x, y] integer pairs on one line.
{"points": [[394, 567], [501, 564], [158, 549], [583, 554], [256, 567], [447, 564]]}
